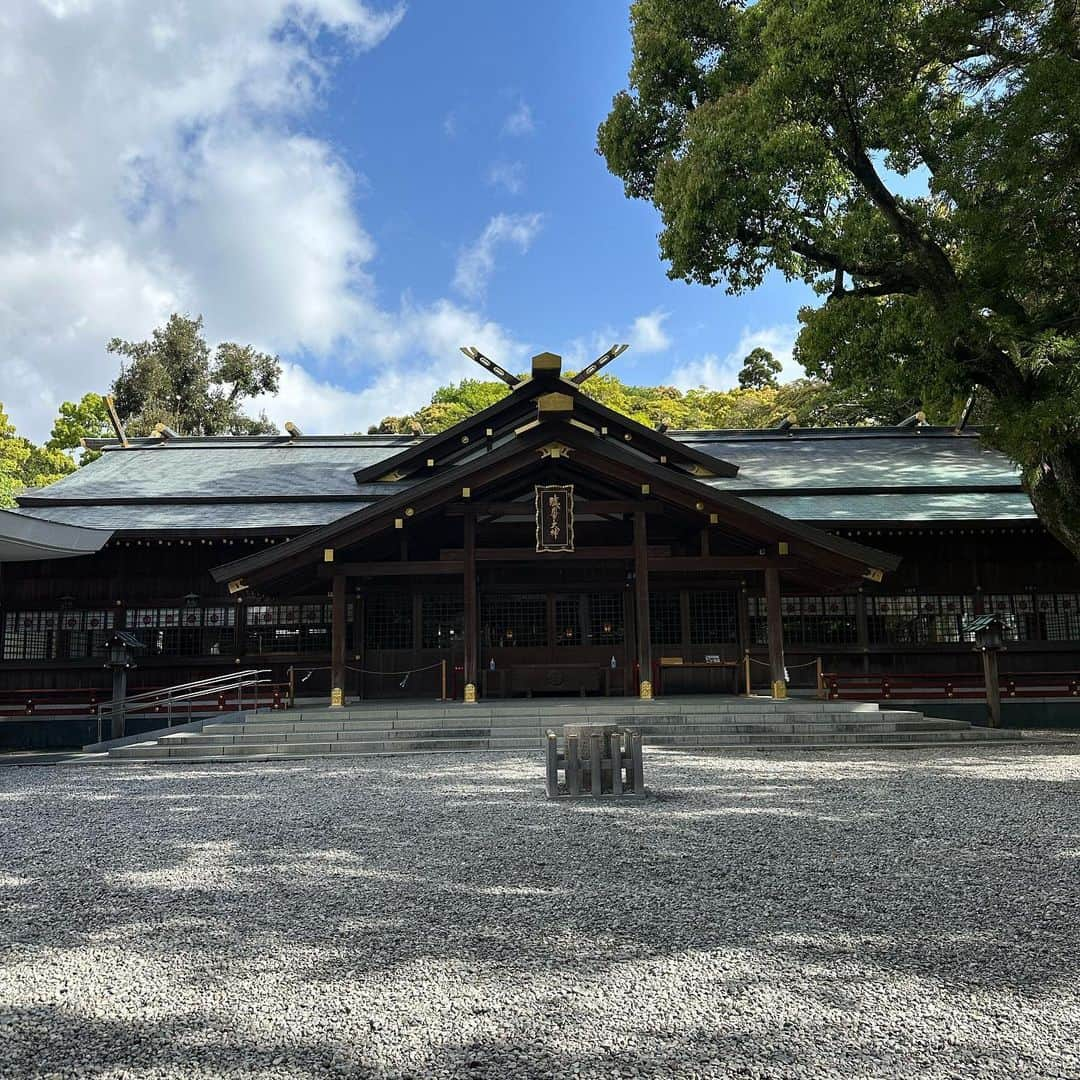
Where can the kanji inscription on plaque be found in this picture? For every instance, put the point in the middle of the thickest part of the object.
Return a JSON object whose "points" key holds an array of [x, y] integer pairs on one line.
{"points": [[555, 517]]}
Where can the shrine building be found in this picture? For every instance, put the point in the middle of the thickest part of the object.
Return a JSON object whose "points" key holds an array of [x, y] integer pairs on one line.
{"points": [[546, 545]]}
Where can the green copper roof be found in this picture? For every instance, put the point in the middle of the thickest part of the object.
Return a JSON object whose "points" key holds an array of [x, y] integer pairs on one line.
{"points": [[831, 476]]}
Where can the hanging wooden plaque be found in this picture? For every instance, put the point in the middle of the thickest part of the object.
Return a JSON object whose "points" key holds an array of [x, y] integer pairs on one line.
{"points": [[554, 517]]}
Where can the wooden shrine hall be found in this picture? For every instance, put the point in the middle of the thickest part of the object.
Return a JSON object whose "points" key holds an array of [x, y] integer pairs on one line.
{"points": [[547, 545], [547, 490]]}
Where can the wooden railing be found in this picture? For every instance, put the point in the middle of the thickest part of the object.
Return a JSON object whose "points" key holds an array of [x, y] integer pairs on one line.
{"points": [[16, 704], [953, 685]]}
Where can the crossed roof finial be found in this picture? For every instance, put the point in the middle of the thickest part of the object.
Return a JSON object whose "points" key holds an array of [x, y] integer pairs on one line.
{"points": [[543, 363]]}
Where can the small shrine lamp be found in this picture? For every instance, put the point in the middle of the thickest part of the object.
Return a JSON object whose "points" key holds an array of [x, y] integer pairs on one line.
{"points": [[989, 632]]}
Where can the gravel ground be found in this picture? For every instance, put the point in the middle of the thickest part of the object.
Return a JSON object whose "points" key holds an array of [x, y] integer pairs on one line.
{"points": [[857, 915]]}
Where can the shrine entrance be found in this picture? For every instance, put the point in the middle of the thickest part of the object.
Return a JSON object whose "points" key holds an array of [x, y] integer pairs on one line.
{"points": [[548, 545]]}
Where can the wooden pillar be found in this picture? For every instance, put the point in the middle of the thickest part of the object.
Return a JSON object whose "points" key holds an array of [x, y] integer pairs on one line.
{"points": [[469, 583], [862, 628], [775, 619], [993, 686], [641, 597], [337, 644]]}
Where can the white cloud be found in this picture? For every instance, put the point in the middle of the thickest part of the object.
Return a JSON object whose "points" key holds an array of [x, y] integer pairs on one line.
{"points": [[157, 170], [722, 373], [476, 262], [520, 121], [450, 124], [509, 175], [410, 338], [647, 333]]}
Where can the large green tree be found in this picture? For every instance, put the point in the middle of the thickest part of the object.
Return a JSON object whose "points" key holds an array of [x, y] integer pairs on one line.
{"points": [[916, 161], [759, 369], [174, 379]]}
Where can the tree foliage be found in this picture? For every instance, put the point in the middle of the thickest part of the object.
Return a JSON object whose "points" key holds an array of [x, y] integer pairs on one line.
{"points": [[24, 465], [810, 402], [175, 380], [916, 161], [759, 369], [86, 418]]}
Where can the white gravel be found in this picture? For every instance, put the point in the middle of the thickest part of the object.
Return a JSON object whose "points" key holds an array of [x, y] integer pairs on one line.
{"points": [[851, 915]]}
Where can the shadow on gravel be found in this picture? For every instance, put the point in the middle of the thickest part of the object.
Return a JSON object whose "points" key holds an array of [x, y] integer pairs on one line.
{"points": [[954, 872]]}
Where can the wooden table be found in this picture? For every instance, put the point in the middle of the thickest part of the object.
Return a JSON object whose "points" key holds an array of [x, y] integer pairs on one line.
{"points": [[529, 679], [732, 671]]}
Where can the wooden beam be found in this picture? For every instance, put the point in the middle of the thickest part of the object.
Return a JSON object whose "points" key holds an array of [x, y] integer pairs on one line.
{"points": [[641, 597], [337, 643], [554, 557], [473, 353], [472, 630], [601, 361], [581, 506], [775, 620], [695, 564], [416, 567]]}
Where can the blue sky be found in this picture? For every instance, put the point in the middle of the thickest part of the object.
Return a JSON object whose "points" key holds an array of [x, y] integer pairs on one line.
{"points": [[424, 118], [356, 186]]}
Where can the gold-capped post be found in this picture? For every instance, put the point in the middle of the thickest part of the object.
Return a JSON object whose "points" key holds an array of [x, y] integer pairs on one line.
{"points": [[546, 365]]}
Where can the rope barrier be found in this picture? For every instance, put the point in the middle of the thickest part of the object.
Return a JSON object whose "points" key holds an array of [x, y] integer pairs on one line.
{"points": [[409, 671], [790, 667]]}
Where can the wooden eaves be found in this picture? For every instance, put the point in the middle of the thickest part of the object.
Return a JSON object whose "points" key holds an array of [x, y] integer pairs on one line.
{"points": [[521, 454]]}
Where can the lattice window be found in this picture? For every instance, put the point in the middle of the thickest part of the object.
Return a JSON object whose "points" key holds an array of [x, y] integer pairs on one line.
{"points": [[442, 620], [568, 620], [606, 618], [388, 621], [56, 635], [665, 619], [293, 628], [807, 620], [1058, 616], [31, 635], [712, 618], [513, 621], [918, 619], [186, 631]]}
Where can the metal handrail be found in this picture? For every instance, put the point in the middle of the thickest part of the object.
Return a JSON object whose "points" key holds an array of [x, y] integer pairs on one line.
{"points": [[167, 697], [206, 684]]}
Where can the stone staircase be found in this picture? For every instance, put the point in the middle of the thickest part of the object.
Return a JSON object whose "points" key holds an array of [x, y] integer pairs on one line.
{"points": [[720, 723]]}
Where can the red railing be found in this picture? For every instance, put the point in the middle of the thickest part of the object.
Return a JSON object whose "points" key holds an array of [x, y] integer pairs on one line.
{"points": [[955, 685], [15, 704]]}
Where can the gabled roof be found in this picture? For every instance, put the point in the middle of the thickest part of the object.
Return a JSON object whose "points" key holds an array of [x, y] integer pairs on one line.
{"points": [[608, 458], [546, 393], [281, 484]]}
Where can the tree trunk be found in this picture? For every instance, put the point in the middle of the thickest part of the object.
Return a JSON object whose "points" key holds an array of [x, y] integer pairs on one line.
{"points": [[1055, 494]]}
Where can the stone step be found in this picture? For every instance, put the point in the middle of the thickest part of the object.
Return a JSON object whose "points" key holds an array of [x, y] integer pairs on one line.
{"points": [[542, 721], [255, 733], [170, 748], [576, 709]]}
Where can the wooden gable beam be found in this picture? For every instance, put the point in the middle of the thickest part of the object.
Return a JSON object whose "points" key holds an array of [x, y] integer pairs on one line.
{"points": [[600, 362]]}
